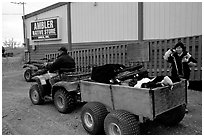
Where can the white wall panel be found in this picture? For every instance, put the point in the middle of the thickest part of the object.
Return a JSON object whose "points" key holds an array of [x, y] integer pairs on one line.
{"points": [[164, 20], [60, 12], [107, 21]]}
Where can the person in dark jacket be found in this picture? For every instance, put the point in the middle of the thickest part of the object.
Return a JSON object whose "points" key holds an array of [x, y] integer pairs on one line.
{"points": [[180, 60], [63, 61]]}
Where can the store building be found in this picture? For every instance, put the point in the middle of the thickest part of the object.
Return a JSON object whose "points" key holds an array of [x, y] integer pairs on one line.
{"points": [[90, 24]]}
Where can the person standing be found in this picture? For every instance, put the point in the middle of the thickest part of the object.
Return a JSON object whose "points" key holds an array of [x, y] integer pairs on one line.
{"points": [[3, 51], [181, 62]]}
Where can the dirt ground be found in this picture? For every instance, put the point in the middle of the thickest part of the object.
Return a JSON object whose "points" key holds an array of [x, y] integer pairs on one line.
{"points": [[21, 117]]}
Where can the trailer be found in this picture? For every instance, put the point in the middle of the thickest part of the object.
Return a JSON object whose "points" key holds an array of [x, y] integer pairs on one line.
{"points": [[119, 109]]}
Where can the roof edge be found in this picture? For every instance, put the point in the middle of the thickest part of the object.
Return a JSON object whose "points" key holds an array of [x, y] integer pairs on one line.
{"points": [[56, 5]]}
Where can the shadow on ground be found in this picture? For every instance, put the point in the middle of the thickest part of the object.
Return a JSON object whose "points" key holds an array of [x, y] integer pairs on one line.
{"points": [[195, 85]]}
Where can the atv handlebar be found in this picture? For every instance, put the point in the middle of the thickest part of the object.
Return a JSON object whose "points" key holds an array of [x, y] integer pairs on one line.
{"points": [[48, 60]]}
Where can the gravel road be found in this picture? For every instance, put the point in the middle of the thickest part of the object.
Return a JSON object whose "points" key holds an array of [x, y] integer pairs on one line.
{"points": [[21, 117]]}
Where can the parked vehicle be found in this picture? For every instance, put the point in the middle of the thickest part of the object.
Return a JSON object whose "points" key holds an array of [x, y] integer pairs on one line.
{"points": [[32, 67], [5, 53]]}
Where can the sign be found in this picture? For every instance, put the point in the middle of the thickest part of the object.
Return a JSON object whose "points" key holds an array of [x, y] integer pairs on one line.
{"points": [[45, 29], [138, 52]]}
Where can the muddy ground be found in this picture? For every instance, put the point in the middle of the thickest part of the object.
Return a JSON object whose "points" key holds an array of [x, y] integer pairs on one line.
{"points": [[21, 117]]}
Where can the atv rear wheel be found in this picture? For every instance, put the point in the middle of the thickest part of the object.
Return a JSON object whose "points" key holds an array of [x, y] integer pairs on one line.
{"points": [[64, 101], [35, 96]]}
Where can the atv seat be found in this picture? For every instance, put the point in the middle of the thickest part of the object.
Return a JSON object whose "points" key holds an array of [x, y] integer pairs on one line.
{"points": [[64, 71]]}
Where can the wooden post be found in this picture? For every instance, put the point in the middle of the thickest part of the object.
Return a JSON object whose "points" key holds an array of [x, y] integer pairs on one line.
{"points": [[140, 21]]}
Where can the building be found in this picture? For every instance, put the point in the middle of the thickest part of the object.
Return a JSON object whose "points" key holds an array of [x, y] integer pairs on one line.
{"points": [[90, 24]]}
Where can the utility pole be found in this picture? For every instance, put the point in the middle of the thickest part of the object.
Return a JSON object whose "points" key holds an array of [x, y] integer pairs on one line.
{"points": [[26, 44], [24, 28]]}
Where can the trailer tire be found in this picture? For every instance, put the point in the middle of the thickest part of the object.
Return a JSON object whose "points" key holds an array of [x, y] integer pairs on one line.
{"points": [[172, 117], [35, 96], [28, 75], [92, 117], [121, 122], [64, 101]]}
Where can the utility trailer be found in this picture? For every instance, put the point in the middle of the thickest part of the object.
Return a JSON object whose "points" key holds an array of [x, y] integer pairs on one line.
{"points": [[119, 109]]}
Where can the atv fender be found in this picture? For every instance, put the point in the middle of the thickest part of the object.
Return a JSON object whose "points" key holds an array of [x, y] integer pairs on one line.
{"points": [[69, 86], [40, 80], [32, 67]]}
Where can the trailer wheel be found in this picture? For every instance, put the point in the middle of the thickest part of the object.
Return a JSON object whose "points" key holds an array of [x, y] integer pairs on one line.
{"points": [[121, 122], [172, 117], [64, 101], [35, 96], [28, 75], [92, 117]]}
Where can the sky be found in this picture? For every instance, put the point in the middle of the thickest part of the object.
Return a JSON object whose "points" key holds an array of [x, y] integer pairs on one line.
{"points": [[12, 23]]}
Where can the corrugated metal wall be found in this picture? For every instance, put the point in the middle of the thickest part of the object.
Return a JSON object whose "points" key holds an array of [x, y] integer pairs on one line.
{"points": [[164, 20], [116, 21], [103, 21]]}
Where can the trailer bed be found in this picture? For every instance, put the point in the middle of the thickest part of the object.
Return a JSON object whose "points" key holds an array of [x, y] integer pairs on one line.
{"points": [[143, 102]]}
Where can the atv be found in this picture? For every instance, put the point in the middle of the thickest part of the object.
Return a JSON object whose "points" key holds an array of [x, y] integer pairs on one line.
{"points": [[61, 87], [33, 67]]}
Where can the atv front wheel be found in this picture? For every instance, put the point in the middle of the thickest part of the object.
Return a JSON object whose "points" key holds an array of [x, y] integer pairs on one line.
{"points": [[35, 96], [28, 75]]}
